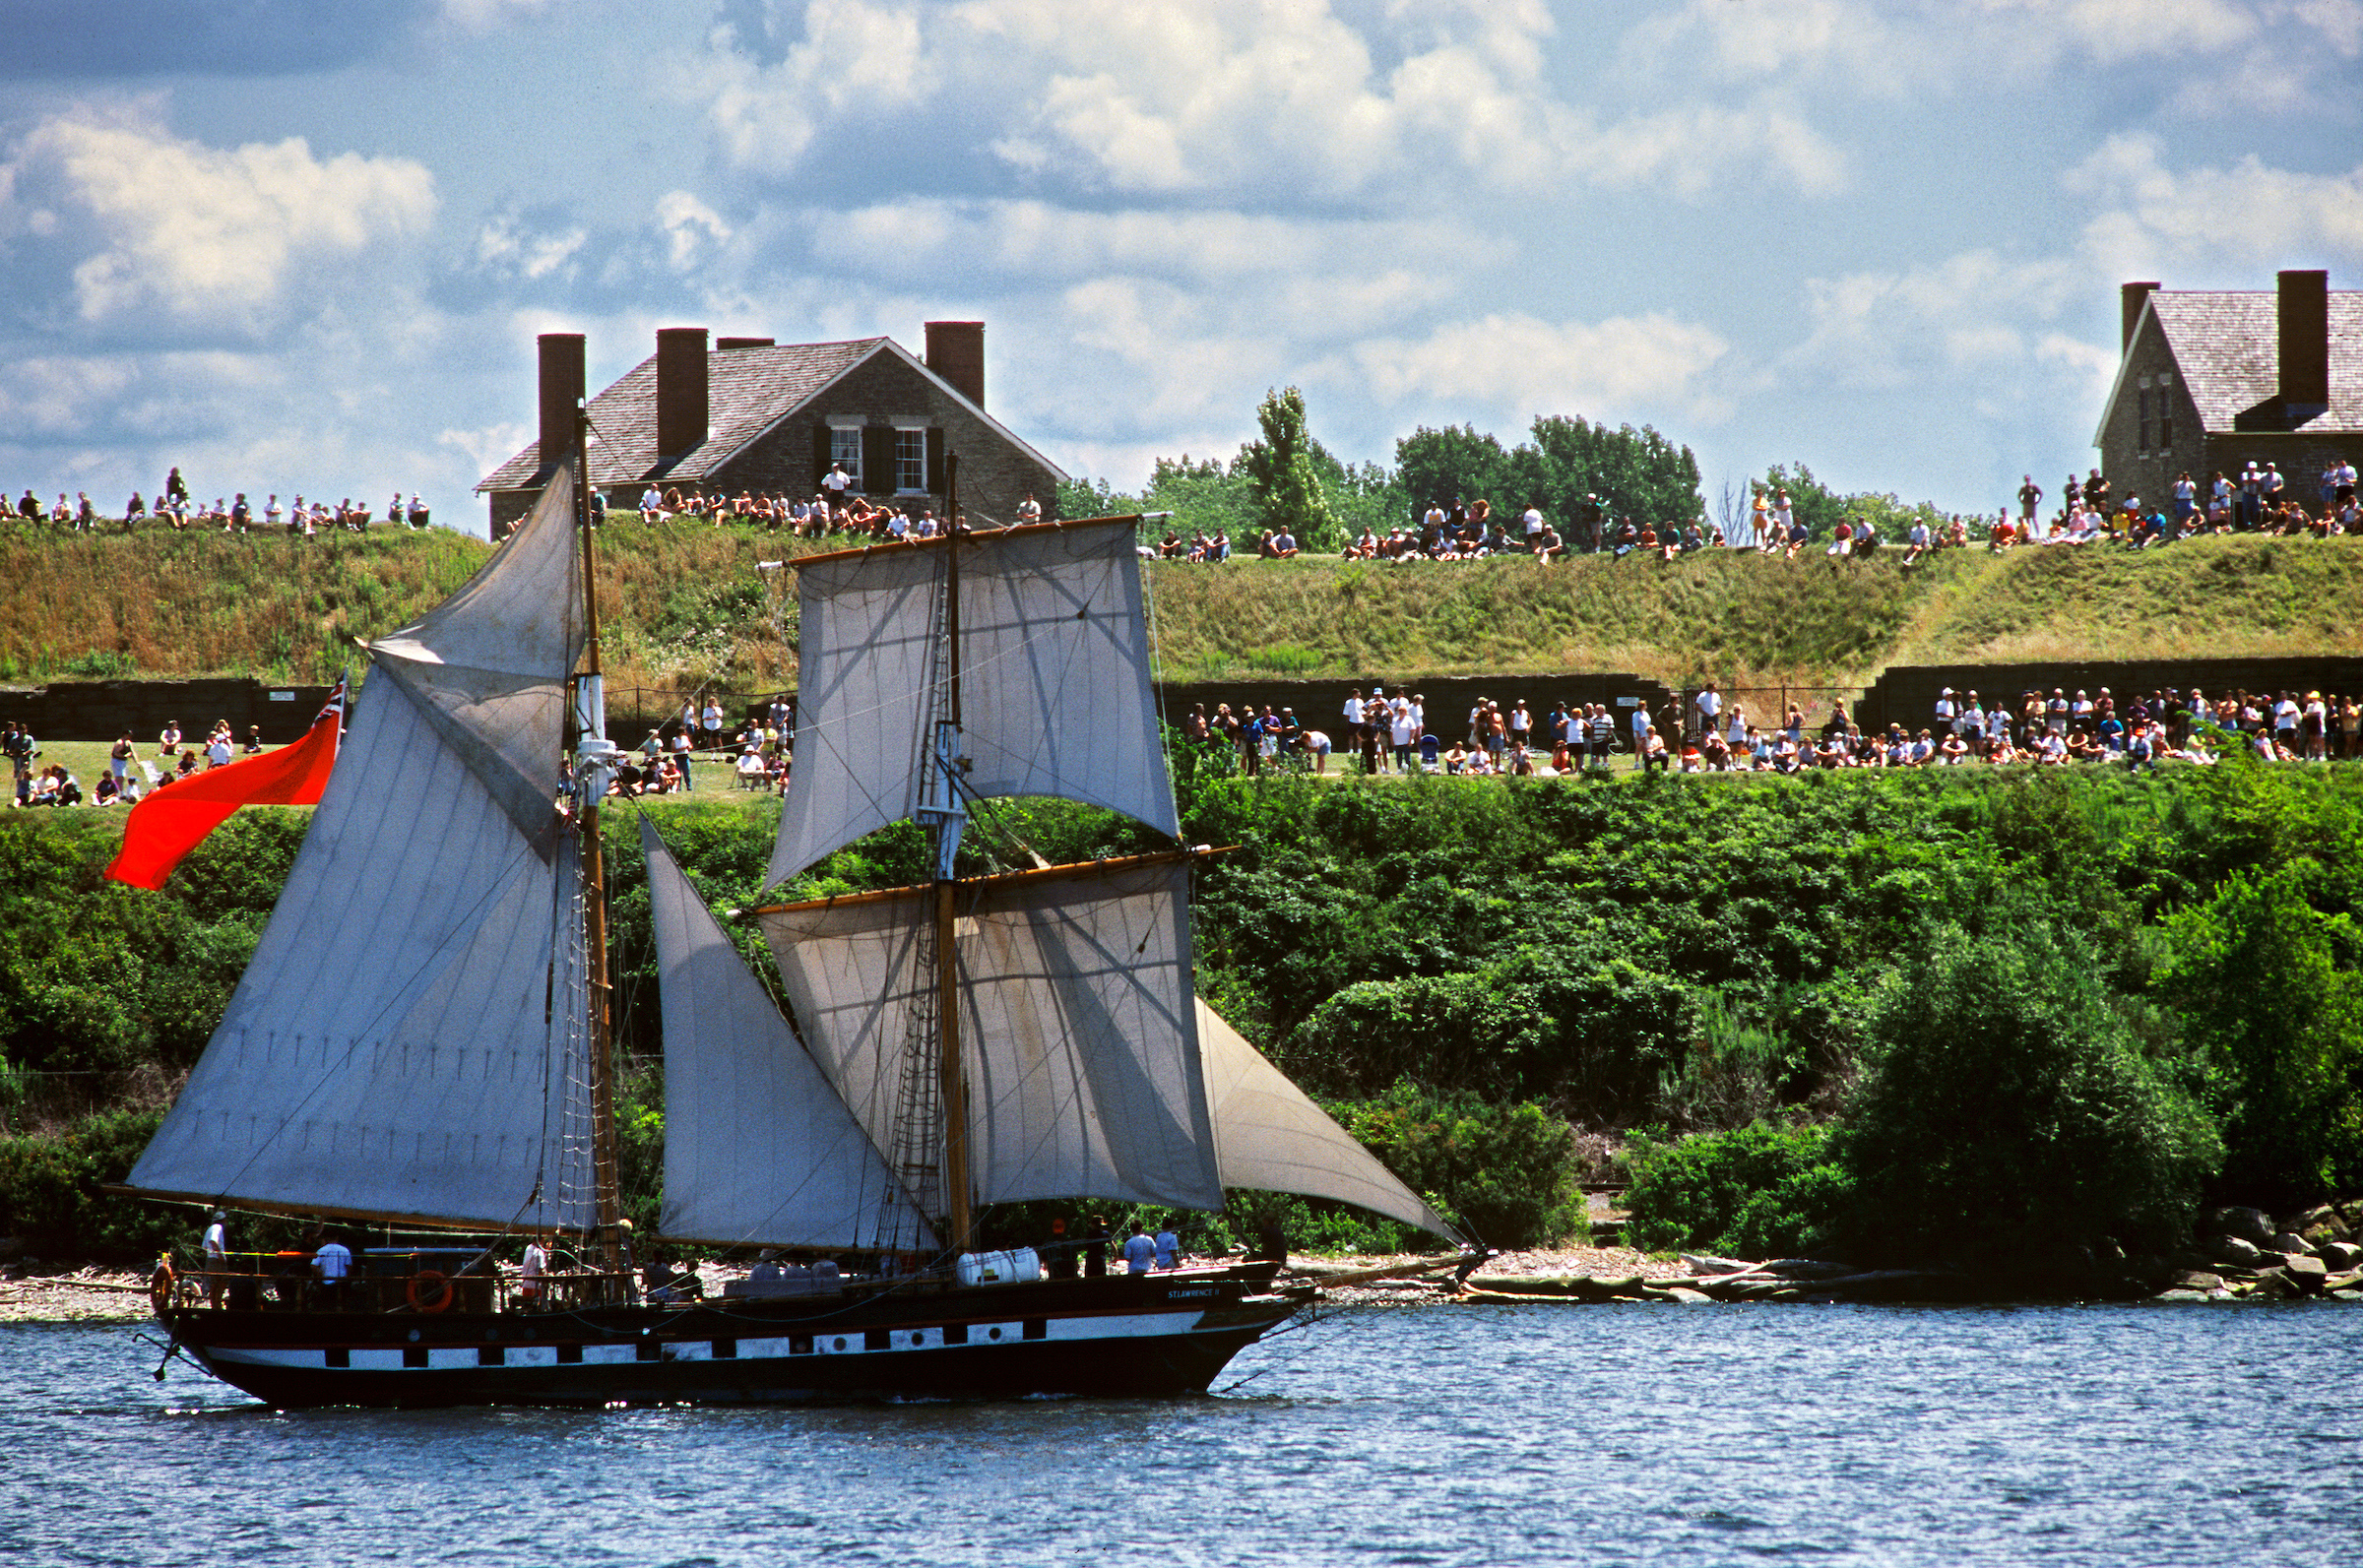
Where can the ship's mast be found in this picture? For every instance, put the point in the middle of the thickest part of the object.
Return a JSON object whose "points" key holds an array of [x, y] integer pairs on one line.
{"points": [[595, 759], [945, 817]]}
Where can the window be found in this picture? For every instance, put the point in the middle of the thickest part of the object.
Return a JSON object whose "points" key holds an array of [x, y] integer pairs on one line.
{"points": [[845, 448], [910, 459], [2143, 442]]}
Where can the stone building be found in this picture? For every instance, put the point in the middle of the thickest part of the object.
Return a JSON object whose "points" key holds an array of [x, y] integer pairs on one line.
{"points": [[2211, 379], [751, 414]]}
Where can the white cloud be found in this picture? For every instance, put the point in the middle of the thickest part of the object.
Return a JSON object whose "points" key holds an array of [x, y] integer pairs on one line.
{"points": [[2153, 218], [922, 237], [1279, 100], [854, 58], [488, 447], [691, 229], [483, 15], [508, 246], [208, 234], [1975, 313], [1520, 365]]}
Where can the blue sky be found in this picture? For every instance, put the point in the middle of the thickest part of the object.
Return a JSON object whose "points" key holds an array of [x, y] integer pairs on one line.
{"points": [[293, 251]]}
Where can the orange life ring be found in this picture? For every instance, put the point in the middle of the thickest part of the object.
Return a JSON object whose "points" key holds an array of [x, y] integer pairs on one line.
{"points": [[160, 1285], [441, 1294]]}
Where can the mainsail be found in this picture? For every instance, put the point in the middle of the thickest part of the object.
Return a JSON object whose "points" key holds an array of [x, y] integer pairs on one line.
{"points": [[758, 1147], [1078, 1029], [1053, 680], [407, 1041]]}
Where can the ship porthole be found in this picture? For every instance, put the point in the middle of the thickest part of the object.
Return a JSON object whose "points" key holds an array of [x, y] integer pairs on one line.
{"points": [[413, 1334], [839, 1345], [918, 1340], [992, 1334]]}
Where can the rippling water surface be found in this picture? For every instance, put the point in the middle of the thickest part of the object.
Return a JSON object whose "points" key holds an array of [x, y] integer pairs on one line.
{"points": [[1599, 1434]]}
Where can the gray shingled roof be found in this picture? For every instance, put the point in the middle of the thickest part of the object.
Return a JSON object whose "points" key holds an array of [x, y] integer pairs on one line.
{"points": [[748, 390], [2227, 343]]}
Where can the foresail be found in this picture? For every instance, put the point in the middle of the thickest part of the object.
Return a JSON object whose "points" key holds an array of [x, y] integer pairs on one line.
{"points": [[758, 1148], [1055, 698], [489, 666], [1270, 1135], [408, 1037], [1078, 1033]]}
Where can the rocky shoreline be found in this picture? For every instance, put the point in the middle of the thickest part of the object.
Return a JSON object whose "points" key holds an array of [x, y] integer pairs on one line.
{"points": [[2240, 1255]]}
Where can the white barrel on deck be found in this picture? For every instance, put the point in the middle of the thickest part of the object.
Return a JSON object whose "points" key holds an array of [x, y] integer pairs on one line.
{"points": [[999, 1268]]}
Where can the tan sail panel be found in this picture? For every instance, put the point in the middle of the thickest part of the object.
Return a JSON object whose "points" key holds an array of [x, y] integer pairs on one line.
{"points": [[1055, 698], [758, 1147], [401, 1042], [1078, 1028], [489, 666], [1271, 1136]]}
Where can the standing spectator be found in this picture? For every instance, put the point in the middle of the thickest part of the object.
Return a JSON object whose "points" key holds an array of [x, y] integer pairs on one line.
{"points": [[1640, 735], [177, 488], [120, 758], [2030, 496]]}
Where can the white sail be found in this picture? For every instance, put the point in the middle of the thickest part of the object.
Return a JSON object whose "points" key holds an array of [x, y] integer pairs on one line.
{"points": [[489, 666], [407, 1038], [1055, 698], [1270, 1135], [401, 1042], [757, 1145], [1078, 1030]]}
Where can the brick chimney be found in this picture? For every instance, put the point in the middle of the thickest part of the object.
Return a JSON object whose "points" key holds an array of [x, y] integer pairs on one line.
{"points": [[956, 353], [2131, 297], [682, 406], [561, 389], [2305, 332]]}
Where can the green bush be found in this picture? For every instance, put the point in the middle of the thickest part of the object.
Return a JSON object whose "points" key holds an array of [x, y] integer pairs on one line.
{"points": [[2006, 1114], [2270, 996], [1754, 1192], [50, 1202], [1503, 1173]]}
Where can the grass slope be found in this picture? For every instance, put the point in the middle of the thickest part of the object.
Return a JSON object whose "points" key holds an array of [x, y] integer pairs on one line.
{"points": [[1739, 615], [685, 605]]}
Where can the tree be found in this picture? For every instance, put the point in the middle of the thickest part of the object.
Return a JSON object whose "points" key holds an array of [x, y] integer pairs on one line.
{"points": [[2007, 1113], [1284, 476], [2278, 1023], [1436, 468], [1636, 473]]}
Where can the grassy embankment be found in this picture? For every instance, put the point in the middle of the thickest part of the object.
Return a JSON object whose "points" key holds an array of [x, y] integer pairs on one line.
{"points": [[686, 606]]}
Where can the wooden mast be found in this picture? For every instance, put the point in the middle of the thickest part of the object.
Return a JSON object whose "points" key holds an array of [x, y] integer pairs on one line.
{"points": [[951, 1085], [606, 1184]]}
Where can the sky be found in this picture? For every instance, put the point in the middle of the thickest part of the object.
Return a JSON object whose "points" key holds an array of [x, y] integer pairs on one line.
{"points": [[295, 247]]}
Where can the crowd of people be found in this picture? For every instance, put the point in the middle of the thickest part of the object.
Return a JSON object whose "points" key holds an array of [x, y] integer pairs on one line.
{"points": [[173, 508], [128, 776], [836, 507], [1391, 732], [759, 750]]}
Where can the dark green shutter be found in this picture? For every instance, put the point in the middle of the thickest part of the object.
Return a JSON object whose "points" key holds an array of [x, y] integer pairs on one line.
{"points": [[935, 462], [877, 459]]}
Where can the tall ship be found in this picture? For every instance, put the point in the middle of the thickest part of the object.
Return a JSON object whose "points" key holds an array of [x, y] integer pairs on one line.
{"points": [[421, 1041]]}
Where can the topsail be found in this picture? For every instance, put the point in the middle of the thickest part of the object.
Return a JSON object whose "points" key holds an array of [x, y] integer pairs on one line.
{"points": [[1055, 696]]}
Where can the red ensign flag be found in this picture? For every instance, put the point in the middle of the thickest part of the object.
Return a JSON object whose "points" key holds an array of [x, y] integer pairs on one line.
{"points": [[173, 819]]}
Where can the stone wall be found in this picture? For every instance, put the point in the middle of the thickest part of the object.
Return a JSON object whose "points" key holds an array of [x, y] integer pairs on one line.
{"points": [[1907, 693], [101, 709]]}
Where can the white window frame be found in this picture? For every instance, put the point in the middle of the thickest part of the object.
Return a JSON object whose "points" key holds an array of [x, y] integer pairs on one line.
{"points": [[845, 442], [909, 425]]}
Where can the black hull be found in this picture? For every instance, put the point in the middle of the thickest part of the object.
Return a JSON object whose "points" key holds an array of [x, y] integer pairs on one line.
{"points": [[1153, 1334]]}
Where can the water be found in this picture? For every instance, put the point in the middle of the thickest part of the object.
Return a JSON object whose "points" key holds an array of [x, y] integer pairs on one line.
{"points": [[1601, 1434]]}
